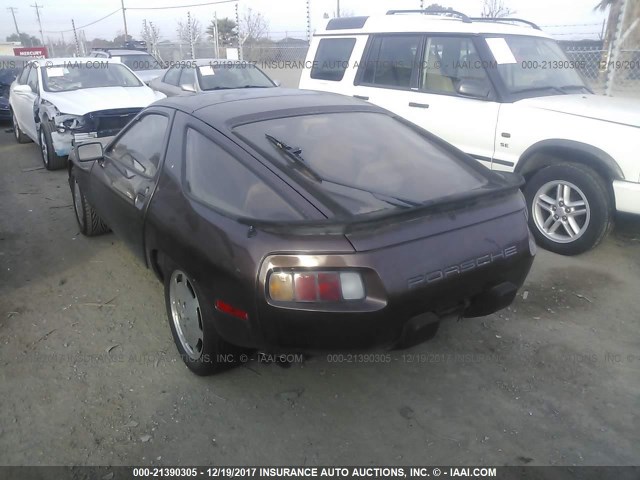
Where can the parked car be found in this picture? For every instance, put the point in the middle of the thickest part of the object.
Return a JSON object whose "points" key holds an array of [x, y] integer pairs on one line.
{"points": [[507, 95], [10, 67], [58, 100], [207, 74], [265, 238], [145, 65]]}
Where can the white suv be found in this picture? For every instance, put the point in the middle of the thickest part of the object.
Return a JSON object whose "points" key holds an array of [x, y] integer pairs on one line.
{"points": [[503, 93]]}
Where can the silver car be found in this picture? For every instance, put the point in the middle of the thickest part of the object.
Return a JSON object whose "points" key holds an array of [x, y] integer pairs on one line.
{"points": [[145, 65], [206, 74]]}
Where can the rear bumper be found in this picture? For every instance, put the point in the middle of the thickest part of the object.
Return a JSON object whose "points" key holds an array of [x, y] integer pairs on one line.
{"points": [[386, 318], [627, 196]]}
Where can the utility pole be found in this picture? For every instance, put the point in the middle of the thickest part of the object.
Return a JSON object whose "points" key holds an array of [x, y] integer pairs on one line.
{"points": [[52, 51], [421, 4], [75, 35], [13, 13], [124, 17], [338, 9], [38, 7]]}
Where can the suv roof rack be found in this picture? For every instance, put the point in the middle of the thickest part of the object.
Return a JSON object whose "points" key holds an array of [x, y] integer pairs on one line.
{"points": [[452, 13], [505, 20]]}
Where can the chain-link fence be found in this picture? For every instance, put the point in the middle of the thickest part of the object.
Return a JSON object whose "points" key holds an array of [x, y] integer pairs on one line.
{"points": [[595, 66], [283, 60]]}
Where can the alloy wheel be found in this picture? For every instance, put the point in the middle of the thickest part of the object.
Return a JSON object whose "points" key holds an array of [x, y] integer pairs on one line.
{"points": [[561, 211], [43, 147], [186, 314]]}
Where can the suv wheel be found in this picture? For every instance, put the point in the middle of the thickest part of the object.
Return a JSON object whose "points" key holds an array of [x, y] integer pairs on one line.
{"points": [[570, 209]]}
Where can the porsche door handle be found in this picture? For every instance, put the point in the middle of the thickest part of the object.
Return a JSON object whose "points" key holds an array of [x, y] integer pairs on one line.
{"points": [[418, 105], [140, 198]]}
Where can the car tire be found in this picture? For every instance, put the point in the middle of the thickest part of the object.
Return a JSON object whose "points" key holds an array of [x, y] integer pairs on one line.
{"points": [[19, 134], [88, 219], [49, 158], [570, 208], [190, 316]]}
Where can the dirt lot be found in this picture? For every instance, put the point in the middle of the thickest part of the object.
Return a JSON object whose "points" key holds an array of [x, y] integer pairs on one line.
{"points": [[89, 373]]}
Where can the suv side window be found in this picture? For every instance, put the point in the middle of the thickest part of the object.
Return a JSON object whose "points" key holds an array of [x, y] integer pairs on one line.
{"points": [[172, 76], [32, 79], [332, 58], [218, 179], [449, 61], [141, 147], [391, 60]]}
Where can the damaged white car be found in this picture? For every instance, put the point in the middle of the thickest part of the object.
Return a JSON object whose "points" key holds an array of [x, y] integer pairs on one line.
{"points": [[55, 102]]}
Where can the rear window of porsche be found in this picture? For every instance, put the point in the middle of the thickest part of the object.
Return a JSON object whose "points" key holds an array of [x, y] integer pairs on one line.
{"points": [[363, 161]]}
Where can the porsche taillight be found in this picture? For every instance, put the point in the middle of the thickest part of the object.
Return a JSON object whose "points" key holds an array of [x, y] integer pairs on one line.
{"points": [[315, 286]]}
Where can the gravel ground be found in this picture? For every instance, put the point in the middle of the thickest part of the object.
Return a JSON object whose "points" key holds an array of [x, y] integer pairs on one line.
{"points": [[89, 374]]}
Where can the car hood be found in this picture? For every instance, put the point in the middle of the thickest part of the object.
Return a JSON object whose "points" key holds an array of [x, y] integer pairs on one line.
{"points": [[621, 110], [83, 101], [147, 75]]}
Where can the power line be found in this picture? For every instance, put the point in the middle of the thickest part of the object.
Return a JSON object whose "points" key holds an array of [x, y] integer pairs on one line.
{"points": [[183, 6], [84, 26]]}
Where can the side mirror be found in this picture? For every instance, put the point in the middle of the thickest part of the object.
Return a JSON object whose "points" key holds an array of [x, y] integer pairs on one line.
{"points": [[473, 88], [22, 89], [188, 88], [87, 152]]}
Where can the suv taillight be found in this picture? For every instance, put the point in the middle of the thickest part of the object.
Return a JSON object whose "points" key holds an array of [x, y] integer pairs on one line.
{"points": [[310, 286]]}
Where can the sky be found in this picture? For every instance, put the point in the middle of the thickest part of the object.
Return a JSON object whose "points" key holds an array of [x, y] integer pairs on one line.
{"points": [[566, 19]]}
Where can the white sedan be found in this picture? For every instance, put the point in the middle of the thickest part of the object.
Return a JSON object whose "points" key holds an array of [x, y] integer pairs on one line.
{"points": [[56, 101]]}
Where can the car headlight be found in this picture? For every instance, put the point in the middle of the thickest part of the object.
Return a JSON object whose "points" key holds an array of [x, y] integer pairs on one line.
{"points": [[315, 286], [70, 122]]}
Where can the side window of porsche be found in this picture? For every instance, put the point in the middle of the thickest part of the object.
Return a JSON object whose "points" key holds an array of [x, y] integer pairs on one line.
{"points": [[216, 178], [141, 147]]}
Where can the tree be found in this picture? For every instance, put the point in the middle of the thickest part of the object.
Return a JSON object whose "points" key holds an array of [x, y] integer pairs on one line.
{"points": [[25, 39], [437, 6], [227, 32], [253, 26], [121, 39], [496, 9], [189, 31], [100, 42]]}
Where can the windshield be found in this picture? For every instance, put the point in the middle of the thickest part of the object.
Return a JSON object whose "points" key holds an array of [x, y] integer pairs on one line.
{"points": [[231, 75], [63, 78], [528, 64], [363, 161], [139, 62]]}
